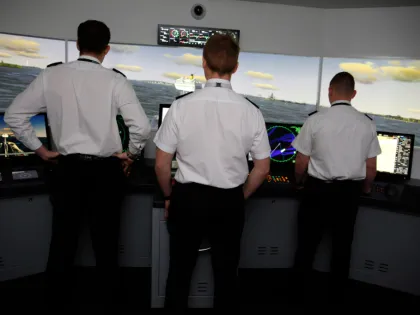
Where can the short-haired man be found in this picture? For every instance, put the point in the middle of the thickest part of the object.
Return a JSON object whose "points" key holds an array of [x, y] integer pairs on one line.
{"points": [[82, 100], [212, 131], [337, 149]]}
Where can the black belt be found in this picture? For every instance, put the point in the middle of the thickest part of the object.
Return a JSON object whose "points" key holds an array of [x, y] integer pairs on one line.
{"points": [[87, 157]]}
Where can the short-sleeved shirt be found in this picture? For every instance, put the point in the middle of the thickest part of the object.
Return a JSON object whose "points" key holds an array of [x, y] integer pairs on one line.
{"points": [[82, 100], [212, 131], [338, 141]]}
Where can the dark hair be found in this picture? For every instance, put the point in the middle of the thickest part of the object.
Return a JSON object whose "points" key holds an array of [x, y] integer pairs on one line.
{"points": [[221, 53], [343, 82], [93, 36]]}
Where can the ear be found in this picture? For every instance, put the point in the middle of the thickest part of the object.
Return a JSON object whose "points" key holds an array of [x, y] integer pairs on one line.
{"points": [[330, 90], [204, 63], [77, 44], [107, 49], [236, 68], [354, 94]]}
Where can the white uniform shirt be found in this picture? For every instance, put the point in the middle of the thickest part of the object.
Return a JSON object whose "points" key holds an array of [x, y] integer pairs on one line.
{"points": [[338, 141], [212, 131], [82, 100]]}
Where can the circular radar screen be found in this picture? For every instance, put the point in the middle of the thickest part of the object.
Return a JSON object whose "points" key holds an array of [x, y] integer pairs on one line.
{"points": [[281, 138]]}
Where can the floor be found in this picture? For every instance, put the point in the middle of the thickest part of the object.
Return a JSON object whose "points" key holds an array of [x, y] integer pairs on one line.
{"points": [[259, 288]]}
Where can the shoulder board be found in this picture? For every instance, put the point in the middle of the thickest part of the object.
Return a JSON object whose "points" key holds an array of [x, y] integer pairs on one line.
{"points": [[368, 117], [54, 64], [252, 102], [314, 112], [181, 96], [118, 71]]}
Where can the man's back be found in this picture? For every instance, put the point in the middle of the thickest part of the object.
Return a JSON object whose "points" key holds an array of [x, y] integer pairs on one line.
{"points": [[82, 92], [342, 138], [82, 99], [216, 130]]}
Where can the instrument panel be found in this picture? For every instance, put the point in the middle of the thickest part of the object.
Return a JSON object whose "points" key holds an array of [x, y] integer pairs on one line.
{"points": [[190, 36]]}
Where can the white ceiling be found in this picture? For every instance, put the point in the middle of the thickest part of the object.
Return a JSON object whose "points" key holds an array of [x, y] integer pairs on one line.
{"points": [[343, 4]]}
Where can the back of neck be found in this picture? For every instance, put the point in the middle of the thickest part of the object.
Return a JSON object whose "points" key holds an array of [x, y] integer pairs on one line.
{"points": [[91, 55]]}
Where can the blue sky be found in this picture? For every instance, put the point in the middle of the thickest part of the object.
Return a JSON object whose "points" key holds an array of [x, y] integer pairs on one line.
{"points": [[383, 86], [38, 122]]}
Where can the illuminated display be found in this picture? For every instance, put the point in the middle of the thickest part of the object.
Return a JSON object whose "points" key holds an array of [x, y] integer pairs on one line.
{"points": [[277, 179], [281, 137], [194, 36], [397, 153], [10, 146]]}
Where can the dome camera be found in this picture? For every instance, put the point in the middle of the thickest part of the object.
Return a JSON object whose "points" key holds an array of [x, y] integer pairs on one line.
{"points": [[198, 11]]}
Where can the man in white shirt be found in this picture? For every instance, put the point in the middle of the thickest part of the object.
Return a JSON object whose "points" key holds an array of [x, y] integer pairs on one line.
{"points": [[82, 100], [212, 131], [337, 150]]}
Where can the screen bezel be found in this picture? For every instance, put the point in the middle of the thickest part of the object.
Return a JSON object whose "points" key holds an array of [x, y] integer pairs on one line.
{"points": [[48, 133], [161, 107], [385, 176], [197, 27]]}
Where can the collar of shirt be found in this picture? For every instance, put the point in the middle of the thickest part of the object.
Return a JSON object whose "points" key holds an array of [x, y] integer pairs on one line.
{"points": [[218, 83], [341, 102], [89, 58]]}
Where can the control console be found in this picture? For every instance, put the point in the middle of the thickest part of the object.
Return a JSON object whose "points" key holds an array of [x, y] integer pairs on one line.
{"points": [[383, 191]]}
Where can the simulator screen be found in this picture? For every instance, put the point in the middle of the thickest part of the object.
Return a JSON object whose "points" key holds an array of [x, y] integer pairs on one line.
{"points": [[281, 137], [189, 36], [10, 146], [396, 156]]}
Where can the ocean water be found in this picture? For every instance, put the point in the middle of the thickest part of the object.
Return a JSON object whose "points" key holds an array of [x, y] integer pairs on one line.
{"points": [[14, 80]]}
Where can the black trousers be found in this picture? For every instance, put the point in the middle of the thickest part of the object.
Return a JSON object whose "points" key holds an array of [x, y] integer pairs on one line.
{"points": [[326, 207], [196, 212], [85, 190]]}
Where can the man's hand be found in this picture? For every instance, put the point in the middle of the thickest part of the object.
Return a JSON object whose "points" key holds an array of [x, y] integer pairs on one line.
{"points": [[167, 204], [126, 162], [367, 189], [47, 155]]}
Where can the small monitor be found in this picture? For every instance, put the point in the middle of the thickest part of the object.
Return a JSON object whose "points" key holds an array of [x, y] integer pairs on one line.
{"points": [[281, 137], [397, 154], [12, 147], [163, 110]]}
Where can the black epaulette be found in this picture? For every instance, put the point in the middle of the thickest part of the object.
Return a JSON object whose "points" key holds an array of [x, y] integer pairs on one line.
{"points": [[368, 117], [54, 64], [314, 112], [252, 102], [118, 71], [181, 96]]}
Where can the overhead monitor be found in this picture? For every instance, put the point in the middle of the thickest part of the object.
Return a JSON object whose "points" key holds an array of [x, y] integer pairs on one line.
{"points": [[12, 147], [163, 110], [397, 154], [190, 36]]}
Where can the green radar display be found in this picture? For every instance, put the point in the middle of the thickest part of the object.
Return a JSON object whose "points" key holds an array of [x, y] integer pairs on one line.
{"points": [[124, 133], [281, 137]]}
